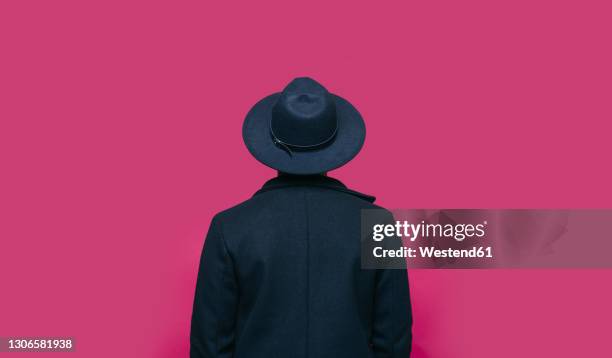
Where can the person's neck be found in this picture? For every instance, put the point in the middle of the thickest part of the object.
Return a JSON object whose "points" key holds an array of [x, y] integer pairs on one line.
{"points": [[282, 174]]}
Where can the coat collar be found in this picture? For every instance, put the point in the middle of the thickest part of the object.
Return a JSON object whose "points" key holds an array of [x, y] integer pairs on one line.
{"points": [[321, 181]]}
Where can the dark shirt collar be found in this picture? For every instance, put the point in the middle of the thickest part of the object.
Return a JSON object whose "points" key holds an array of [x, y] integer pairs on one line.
{"points": [[322, 181]]}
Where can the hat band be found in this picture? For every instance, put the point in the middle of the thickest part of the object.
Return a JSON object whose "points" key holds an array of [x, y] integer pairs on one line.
{"points": [[290, 148]]}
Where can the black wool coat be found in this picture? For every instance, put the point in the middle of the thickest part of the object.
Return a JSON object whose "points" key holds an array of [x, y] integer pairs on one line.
{"points": [[280, 276]]}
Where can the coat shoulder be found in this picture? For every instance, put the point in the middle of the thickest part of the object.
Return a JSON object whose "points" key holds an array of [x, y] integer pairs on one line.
{"points": [[277, 200]]}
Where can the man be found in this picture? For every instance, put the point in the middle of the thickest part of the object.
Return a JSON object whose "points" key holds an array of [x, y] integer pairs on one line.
{"points": [[280, 274]]}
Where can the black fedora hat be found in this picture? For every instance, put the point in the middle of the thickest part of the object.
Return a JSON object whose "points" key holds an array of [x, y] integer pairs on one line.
{"points": [[304, 129]]}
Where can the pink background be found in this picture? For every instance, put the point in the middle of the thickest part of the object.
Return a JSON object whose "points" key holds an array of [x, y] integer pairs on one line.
{"points": [[120, 137]]}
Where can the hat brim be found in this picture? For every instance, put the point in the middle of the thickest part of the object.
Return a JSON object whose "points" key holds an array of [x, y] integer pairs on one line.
{"points": [[346, 144]]}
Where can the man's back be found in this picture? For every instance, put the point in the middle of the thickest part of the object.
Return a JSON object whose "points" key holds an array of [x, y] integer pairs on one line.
{"points": [[281, 276]]}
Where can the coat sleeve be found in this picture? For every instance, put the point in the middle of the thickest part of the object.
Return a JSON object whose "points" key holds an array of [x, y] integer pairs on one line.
{"points": [[216, 297], [392, 322], [392, 328]]}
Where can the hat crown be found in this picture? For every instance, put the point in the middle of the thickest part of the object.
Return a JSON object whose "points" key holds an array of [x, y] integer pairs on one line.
{"points": [[304, 114]]}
